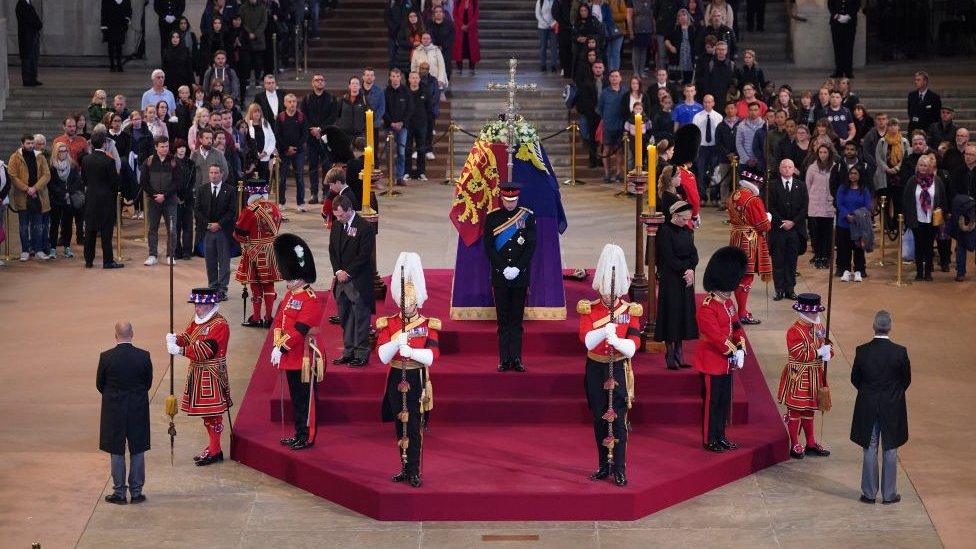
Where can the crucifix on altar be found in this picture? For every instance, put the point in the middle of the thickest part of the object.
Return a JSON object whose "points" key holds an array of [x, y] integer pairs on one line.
{"points": [[511, 115]]}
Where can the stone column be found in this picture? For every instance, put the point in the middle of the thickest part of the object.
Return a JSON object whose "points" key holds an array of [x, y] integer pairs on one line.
{"points": [[813, 47]]}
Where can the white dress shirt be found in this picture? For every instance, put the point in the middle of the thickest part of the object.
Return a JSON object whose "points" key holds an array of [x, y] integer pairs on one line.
{"points": [[272, 101], [700, 119]]}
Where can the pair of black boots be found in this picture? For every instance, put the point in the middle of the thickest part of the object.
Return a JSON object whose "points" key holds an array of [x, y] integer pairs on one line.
{"points": [[619, 477], [413, 479], [296, 442], [513, 365]]}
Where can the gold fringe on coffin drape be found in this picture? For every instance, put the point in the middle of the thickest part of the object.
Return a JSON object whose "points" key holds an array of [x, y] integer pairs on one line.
{"points": [[488, 313]]}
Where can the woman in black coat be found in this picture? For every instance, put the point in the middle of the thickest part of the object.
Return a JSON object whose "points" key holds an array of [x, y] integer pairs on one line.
{"points": [[177, 63], [677, 258], [115, 25]]}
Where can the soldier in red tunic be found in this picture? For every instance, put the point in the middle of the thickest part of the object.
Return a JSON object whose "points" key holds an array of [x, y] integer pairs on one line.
{"points": [[610, 330], [255, 230], [296, 346], [207, 392], [686, 142], [804, 374], [749, 222], [408, 342], [721, 348]]}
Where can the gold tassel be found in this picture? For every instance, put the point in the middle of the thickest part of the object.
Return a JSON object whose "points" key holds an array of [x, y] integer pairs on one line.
{"points": [[824, 402], [171, 406], [629, 378], [306, 370]]}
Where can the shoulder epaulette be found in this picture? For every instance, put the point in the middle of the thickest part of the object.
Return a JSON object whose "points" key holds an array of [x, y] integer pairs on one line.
{"points": [[527, 210], [636, 309], [707, 300], [434, 323], [583, 307], [381, 322]]}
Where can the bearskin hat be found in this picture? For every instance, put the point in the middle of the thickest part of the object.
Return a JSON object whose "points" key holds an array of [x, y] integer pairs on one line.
{"points": [[339, 145], [725, 269], [294, 258], [686, 142]]}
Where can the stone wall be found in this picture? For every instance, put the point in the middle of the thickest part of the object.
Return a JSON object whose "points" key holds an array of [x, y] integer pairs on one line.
{"points": [[813, 47]]}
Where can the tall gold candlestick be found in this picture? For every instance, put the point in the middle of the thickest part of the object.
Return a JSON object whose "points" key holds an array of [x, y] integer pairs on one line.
{"points": [[369, 127], [367, 176], [638, 143], [651, 178]]}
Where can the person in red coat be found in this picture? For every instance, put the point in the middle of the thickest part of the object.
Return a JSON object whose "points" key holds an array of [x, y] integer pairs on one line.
{"points": [[749, 222], [721, 348], [466, 44], [296, 343], [610, 331], [207, 390], [256, 228], [804, 374], [408, 342]]}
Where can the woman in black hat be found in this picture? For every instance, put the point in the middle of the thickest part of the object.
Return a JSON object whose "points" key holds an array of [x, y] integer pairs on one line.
{"points": [[677, 259]]}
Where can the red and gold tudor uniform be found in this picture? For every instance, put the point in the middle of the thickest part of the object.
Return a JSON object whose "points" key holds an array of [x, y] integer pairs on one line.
{"points": [[595, 315], [422, 333], [749, 224], [804, 374], [256, 228], [207, 390], [720, 337]]}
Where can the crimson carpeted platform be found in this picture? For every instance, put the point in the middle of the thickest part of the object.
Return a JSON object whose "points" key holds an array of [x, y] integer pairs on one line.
{"points": [[506, 446]]}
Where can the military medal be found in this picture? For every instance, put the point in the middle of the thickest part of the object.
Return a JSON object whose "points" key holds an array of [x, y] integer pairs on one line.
{"points": [[520, 240]]}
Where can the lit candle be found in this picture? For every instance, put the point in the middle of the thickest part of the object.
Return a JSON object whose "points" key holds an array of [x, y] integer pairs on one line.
{"points": [[367, 175], [369, 127], [638, 143], [651, 178]]}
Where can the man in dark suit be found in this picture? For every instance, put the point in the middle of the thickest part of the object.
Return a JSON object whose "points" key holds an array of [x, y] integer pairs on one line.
{"points": [[215, 209], [101, 182], [352, 244], [788, 206], [270, 99], [509, 240], [843, 28], [924, 105], [124, 378], [29, 27], [881, 374], [589, 86]]}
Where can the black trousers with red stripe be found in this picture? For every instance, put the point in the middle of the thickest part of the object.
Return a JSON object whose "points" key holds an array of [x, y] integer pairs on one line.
{"points": [[716, 403]]}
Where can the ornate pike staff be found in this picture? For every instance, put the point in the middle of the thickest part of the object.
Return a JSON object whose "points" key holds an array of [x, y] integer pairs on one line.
{"points": [[611, 383], [404, 385], [171, 398]]}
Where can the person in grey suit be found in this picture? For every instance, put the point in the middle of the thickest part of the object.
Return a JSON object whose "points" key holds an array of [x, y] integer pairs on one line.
{"points": [[881, 374], [215, 209], [124, 378], [351, 251]]}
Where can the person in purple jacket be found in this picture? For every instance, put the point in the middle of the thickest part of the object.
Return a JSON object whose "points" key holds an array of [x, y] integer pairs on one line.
{"points": [[851, 196]]}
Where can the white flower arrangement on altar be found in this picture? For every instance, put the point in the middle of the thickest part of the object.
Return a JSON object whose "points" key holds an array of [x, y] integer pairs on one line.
{"points": [[497, 132]]}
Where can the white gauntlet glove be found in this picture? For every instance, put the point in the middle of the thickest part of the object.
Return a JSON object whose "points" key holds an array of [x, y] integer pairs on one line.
{"points": [[276, 356], [824, 351], [406, 351], [173, 349], [402, 340], [740, 359], [510, 273]]}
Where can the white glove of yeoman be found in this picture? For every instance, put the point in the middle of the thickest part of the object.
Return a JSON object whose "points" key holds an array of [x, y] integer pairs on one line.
{"points": [[171, 338], [173, 348], [824, 351], [740, 359]]}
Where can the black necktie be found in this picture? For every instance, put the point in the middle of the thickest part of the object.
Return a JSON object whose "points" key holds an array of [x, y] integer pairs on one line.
{"points": [[708, 128], [213, 189]]}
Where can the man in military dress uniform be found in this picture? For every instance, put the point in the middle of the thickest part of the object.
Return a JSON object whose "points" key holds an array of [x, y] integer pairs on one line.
{"points": [[207, 391], [805, 374], [407, 341], [722, 344], [509, 240], [610, 330], [256, 228], [749, 222], [296, 327]]}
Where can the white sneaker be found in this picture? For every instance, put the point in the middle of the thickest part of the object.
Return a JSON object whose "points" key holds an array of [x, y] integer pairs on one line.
{"points": [[406, 177], [24, 256], [413, 155], [423, 177], [430, 156], [857, 276], [150, 261], [302, 208], [42, 255], [846, 277]]}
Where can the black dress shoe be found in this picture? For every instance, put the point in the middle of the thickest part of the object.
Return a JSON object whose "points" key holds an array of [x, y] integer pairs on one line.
{"points": [[301, 444], [267, 323], [357, 363], [415, 481], [335, 320], [673, 367], [343, 360], [517, 365], [113, 265], [817, 450], [778, 296], [504, 366], [402, 476], [795, 455], [865, 499], [895, 499], [601, 473], [201, 455], [619, 478], [728, 444], [715, 447], [683, 365], [138, 499], [219, 456], [116, 499], [749, 320], [253, 323], [288, 441]]}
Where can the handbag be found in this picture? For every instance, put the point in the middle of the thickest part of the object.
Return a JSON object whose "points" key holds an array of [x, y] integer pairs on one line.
{"points": [[77, 199], [908, 246]]}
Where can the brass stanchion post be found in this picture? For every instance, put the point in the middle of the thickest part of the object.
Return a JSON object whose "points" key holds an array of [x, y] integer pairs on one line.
{"points": [[145, 218], [881, 261], [573, 131], [451, 128], [901, 231], [626, 146], [734, 176], [391, 153], [118, 227], [240, 196], [6, 230]]}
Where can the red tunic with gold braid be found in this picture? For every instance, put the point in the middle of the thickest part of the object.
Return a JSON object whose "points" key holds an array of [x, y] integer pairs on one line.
{"points": [[804, 372], [256, 229], [299, 312], [749, 225], [689, 187], [207, 391], [720, 335], [422, 333], [597, 315]]}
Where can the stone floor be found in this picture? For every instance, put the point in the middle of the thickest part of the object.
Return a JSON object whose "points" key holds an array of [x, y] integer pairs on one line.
{"points": [[52, 477]]}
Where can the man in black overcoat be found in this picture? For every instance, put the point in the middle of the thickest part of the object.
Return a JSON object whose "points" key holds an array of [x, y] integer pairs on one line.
{"points": [[352, 244], [29, 27], [124, 378], [881, 374], [788, 201], [101, 182]]}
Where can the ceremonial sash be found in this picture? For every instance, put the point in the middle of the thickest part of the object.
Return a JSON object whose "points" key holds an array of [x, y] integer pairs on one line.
{"points": [[504, 232], [617, 313]]}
